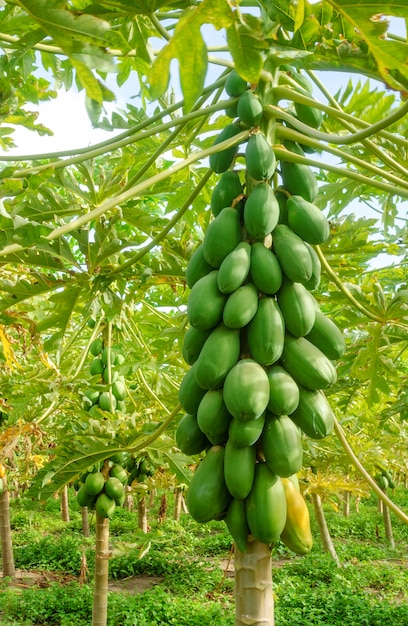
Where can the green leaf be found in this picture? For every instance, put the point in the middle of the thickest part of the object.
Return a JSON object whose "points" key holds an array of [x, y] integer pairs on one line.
{"points": [[191, 47], [245, 52]]}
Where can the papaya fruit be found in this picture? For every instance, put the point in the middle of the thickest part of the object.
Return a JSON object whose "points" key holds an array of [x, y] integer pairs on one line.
{"points": [[107, 401], [96, 347], [244, 434], [296, 534], [221, 161], [326, 336], [265, 269], [305, 85], [239, 469], [266, 332], [222, 236], [309, 115], [266, 505], [234, 84], [213, 418], [298, 308], [105, 506], [197, 267], [313, 414], [207, 496], [241, 306], [284, 392], [237, 524], [259, 157], [194, 339], [282, 197], [235, 268], [281, 444], [246, 390], [314, 280], [261, 211], [119, 472], [206, 302], [189, 437], [307, 220], [96, 367], [225, 192], [84, 498], [94, 483], [249, 108], [293, 254], [307, 364], [114, 489], [190, 393], [219, 353], [91, 396], [298, 178], [113, 376], [232, 110], [119, 390]]}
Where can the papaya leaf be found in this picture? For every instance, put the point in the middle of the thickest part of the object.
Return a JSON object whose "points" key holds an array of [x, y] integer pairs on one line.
{"points": [[245, 52], [15, 293]]}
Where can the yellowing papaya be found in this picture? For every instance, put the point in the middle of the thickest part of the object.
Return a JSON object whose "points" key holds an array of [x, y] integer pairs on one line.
{"points": [[259, 157], [307, 364], [284, 392], [244, 434], [207, 496], [313, 414], [326, 336], [266, 332], [261, 211], [265, 270], [213, 417], [296, 534], [239, 469], [237, 524], [246, 390], [189, 437], [281, 444], [197, 267], [235, 268], [206, 302], [293, 254], [219, 353], [241, 306], [225, 192], [307, 220], [266, 505], [298, 308], [222, 236]]}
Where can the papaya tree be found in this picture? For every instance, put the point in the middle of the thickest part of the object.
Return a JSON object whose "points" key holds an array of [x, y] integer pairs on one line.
{"points": [[216, 224]]}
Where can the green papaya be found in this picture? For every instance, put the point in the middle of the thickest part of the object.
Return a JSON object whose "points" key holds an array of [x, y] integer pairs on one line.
{"points": [[221, 161], [313, 414], [241, 306], [244, 434], [249, 108], [107, 402], [305, 85], [213, 417], [232, 109], [190, 393], [119, 472], [259, 157], [207, 496], [227, 190], [326, 336], [239, 469], [261, 211], [219, 353], [293, 254], [307, 364], [307, 220], [298, 308], [222, 236], [96, 347], [189, 437], [234, 84], [96, 367], [265, 270], [314, 280], [91, 396], [119, 390], [266, 505], [266, 332], [284, 392], [246, 390], [105, 506], [298, 178], [84, 498], [281, 444], [282, 197], [197, 267], [114, 489], [237, 524], [309, 115], [194, 339], [205, 303], [94, 483], [235, 268]]}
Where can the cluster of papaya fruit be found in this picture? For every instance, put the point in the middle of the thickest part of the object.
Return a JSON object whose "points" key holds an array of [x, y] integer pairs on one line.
{"points": [[260, 350], [384, 479], [102, 488], [139, 469], [109, 392]]}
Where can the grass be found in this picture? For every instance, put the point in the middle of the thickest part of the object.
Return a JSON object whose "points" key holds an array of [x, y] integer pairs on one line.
{"points": [[370, 588]]}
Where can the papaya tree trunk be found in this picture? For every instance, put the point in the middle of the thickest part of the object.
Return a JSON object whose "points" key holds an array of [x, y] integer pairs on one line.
{"points": [[254, 605], [323, 528], [100, 594], [64, 504], [346, 504], [163, 509], [178, 496], [142, 515], [7, 554], [379, 505], [387, 524], [85, 521]]}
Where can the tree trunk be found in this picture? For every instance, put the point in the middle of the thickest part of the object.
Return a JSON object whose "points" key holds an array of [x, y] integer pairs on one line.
{"points": [[100, 594], [142, 515], [7, 555], [324, 531], [387, 524], [380, 505], [64, 504], [85, 521], [254, 605], [163, 509], [346, 504], [178, 496]]}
